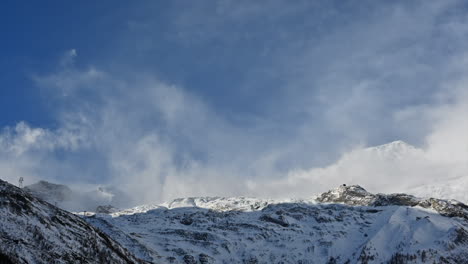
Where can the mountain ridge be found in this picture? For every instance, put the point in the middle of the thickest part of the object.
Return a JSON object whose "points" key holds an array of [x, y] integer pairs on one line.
{"points": [[345, 225], [34, 231]]}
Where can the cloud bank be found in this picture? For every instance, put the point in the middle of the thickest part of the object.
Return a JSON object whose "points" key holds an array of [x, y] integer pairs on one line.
{"points": [[320, 100]]}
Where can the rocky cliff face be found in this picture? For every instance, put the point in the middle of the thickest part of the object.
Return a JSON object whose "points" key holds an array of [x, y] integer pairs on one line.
{"points": [[345, 225], [356, 195], [34, 231]]}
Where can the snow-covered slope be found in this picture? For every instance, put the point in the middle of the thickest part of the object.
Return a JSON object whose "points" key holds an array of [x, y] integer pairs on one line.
{"points": [[395, 150], [345, 225], [34, 231]]}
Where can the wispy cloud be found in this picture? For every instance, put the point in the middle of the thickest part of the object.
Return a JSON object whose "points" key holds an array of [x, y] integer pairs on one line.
{"points": [[310, 95], [439, 168]]}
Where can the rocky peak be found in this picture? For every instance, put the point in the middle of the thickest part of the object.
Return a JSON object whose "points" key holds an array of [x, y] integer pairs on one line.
{"points": [[450, 208], [357, 195], [345, 225], [351, 195]]}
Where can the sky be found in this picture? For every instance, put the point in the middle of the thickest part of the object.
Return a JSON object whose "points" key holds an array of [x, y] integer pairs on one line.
{"points": [[262, 98]]}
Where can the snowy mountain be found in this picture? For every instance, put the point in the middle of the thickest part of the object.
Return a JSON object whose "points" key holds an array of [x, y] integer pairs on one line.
{"points": [[344, 225], [34, 231], [422, 173], [388, 168], [395, 150]]}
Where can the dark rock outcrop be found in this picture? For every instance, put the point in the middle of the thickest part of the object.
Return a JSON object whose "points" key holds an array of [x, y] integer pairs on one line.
{"points": [[356, 195], [34, 231]]}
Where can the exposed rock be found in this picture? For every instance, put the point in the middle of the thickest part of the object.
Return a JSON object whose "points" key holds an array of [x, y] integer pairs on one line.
{"points": [[189, 259], [34, 231], [356, 195], [351, 195], [106, 209]]}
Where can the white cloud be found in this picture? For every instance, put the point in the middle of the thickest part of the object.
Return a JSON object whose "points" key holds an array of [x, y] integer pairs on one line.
{"points": [[152, 139], [438, 169], [138, 126], [357, 84], [68, 58]]}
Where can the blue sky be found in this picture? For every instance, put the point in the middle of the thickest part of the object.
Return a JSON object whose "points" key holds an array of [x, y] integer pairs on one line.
{"points": [[222, 91], [34, 37]]}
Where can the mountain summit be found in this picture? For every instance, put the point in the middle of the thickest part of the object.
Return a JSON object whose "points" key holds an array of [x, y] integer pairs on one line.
{"points": [[347, 224], [344, 225]]}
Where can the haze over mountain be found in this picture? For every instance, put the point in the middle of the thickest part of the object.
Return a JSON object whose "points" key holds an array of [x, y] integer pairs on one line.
{"points": [[213, 131], [79, 199], [235, 98], [344, 225], [394, 167]]}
